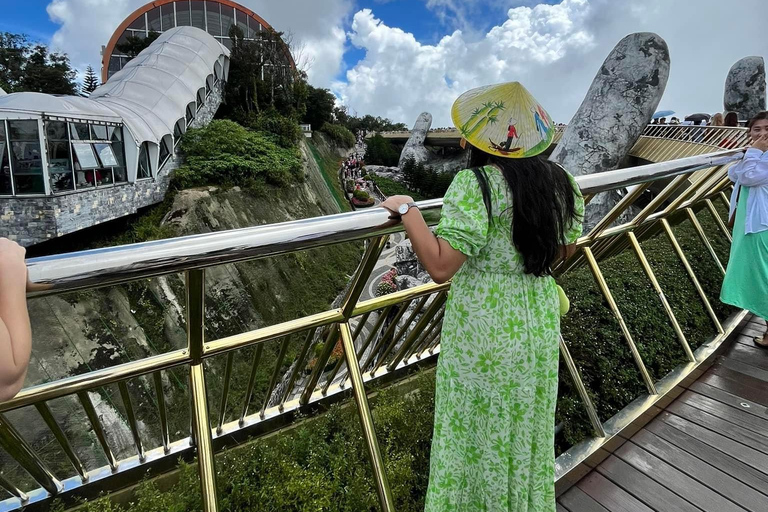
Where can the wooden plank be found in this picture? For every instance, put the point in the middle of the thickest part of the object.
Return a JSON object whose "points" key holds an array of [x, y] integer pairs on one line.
{"points": [[748, 331], [736, 387], [609, 495], [722, 411], [726, 428], [577, 500], [730, 399], [675, 480], [713, 478], [751, 355], [722, 443], [743, 368], [698, 448], [643, 487], [561, 508]]}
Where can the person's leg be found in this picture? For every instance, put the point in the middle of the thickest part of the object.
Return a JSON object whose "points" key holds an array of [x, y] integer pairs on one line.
{"points": [[762, 341]]}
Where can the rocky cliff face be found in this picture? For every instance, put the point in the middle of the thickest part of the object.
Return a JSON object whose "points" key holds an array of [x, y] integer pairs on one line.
{"points": [[83, 331]]}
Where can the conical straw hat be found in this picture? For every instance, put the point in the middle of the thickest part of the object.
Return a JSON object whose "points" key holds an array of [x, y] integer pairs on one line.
{"points": [[503, 120]]}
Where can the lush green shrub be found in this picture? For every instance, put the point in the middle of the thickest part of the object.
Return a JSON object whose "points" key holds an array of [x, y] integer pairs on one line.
{"points": [[391, 187], [361, 195], [225, 153], [379, 151], [286, 130], [320, 465], [595, 339], [340, 135]]}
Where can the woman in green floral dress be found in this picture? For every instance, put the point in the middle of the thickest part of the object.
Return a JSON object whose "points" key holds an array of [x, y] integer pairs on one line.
{"points": [[503, 225]]}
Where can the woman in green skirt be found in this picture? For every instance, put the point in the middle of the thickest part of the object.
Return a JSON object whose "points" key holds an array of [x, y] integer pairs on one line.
{"points": [[503, 226], [746, 279]]}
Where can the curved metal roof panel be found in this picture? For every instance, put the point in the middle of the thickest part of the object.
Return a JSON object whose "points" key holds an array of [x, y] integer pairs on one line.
{"points": [[148, 95]]}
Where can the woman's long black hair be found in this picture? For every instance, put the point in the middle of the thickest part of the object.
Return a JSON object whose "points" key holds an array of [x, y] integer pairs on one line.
{"points": [[543, 206]]}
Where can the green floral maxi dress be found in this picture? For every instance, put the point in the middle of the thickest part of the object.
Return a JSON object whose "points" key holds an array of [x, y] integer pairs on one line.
{"points": [[493, 443]]}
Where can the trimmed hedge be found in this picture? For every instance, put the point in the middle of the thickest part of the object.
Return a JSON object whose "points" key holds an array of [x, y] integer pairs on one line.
{"points": [[225, 153], [339, 134]]}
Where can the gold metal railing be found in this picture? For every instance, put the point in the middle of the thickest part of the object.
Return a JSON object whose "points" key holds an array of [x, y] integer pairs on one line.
{"points": [[381, 337]]}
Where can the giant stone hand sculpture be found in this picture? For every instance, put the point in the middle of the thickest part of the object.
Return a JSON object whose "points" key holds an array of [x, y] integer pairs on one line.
{"points": [[618, 106], [416, 150], [745, 87]]}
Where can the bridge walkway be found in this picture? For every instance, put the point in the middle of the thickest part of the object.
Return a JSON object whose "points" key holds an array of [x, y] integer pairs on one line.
{"points": [[705, 452]]}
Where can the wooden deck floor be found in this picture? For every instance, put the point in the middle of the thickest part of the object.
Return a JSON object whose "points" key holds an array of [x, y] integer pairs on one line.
{"points": [[707, 452]]}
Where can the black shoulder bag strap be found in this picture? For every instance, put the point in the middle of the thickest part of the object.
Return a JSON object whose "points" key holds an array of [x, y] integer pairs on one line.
{"points": [[485, 188]]}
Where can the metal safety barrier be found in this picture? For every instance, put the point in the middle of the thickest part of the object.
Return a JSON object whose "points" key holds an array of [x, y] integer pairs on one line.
{"points": [[382, 337]]}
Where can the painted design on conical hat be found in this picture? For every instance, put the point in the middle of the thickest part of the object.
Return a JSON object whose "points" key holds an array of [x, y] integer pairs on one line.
{"points": [[503, 120]]}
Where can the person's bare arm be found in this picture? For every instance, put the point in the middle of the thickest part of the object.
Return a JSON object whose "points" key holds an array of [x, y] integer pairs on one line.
{"points": [[438, 257], [15, 330]]}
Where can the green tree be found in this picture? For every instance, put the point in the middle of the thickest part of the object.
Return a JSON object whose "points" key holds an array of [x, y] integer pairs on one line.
{"points": [[27, 66], [320, 104], [90, 82], [379, 151], [261, 78], [133, 45]]}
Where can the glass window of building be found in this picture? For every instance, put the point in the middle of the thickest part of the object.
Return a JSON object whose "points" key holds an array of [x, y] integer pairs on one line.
{"points": [[167, 18], [60, 172], [191, 113], [214, 18], [254, 27], [182, 13], [197, 9], [106, 157], [98, 132], [242, 22], [227, 19], [26, 157], [200, 97], [165, 151], [79, 131], [153, 19], [85, 164], [207, 88], [178, 131], [145, 169], [6, 185], [139, 23], [116, 136]]}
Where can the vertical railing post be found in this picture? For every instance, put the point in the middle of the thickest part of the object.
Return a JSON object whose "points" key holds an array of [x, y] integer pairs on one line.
{"points": [[15, 445], [366, 420], [201, 427], [594, 418], [614, 307]]}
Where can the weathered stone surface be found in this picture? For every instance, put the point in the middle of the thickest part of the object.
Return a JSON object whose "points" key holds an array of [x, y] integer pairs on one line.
{"points": [[745, 87], [619, 104], [416, 150]]}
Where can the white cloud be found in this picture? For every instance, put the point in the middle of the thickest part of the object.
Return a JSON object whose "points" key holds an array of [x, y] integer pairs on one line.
{"points": [[555, 50], [401, 77], [86, 25]]}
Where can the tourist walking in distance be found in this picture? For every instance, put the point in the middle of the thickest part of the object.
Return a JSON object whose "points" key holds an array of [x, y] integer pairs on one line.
{"points": [[15, 331], [746, 279], [503, 226]]}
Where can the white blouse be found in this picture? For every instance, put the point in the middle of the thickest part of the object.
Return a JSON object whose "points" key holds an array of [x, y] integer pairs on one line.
{"points": [[752, 172]]}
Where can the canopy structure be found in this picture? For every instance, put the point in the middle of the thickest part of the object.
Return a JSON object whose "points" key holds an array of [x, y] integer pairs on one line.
{"points": [[123, 132], [152, 91]]}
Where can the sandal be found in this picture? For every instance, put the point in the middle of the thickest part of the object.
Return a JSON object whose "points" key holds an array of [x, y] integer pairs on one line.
{"points": [[761, 342]]}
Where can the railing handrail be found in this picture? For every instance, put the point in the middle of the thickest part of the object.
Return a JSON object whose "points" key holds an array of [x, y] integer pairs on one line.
{"points": [[112, 265]]}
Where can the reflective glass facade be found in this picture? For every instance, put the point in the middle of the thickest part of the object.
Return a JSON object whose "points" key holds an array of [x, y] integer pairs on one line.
{"points": [[210, 15], [79, 155]]}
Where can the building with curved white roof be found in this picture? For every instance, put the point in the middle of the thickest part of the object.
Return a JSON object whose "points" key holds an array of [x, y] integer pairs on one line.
{"points": [[65, 157]]}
